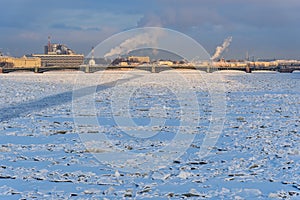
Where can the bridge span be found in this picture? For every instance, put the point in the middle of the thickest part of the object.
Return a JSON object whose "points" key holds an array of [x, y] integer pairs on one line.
{"points": [[150, 68]]}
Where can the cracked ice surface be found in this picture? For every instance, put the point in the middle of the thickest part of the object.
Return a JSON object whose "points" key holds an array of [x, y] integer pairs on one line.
{"points": [[257, 155]]}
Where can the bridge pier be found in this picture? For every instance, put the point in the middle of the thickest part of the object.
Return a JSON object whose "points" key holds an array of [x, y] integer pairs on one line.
{"points": [[248, 69], [87, 69], [210, 70], [36, 70], [153, 69]]}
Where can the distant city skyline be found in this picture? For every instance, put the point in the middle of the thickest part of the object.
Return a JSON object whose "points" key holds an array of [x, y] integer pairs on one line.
{"points": [[264, 29]]}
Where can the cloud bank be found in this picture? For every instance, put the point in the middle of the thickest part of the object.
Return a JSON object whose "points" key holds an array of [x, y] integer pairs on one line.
{"points": [[264, 28]]}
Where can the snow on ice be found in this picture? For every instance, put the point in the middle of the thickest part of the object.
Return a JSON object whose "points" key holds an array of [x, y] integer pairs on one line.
{"points": [[257, 155]]}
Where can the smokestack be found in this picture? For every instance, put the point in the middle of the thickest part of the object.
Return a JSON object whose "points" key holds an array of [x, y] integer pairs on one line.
{"points": [[93, 53], [92, 61], [49, 44], [247, 56]]}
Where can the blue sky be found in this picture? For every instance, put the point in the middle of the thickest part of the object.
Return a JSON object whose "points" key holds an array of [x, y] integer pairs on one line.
{"points": [[266, 29]]}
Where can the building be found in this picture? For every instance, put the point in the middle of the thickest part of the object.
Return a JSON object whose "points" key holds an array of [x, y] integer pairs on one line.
{"points": [[165, 62], [131, 61], [58, 49], [23, 62], [59, 55], [60, 60], [138, 59]]}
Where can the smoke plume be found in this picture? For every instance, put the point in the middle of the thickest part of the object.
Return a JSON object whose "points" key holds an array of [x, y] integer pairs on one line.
{"points": [[148, 38], [221, 49]]}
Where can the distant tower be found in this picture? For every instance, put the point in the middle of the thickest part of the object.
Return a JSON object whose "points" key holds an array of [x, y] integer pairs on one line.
{"points": [[49, 44], [92, 60], [247, 56]]}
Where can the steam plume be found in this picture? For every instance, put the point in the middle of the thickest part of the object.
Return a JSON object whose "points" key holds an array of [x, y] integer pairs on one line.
{"points": [[147, 38], [221, 49]]}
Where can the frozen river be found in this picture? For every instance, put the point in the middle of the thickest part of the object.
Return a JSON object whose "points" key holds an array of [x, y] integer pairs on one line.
{"points": [[69, 135]]}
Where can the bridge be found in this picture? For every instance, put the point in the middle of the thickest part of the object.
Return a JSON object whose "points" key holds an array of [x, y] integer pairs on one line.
{"points": [[150, 68]]}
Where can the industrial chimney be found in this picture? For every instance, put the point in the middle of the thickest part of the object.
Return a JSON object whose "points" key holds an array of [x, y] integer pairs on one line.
{"points": [[49, 44]]}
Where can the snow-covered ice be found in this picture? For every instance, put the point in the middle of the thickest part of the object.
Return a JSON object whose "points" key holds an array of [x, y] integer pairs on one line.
{"points": [[257, 155]]}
